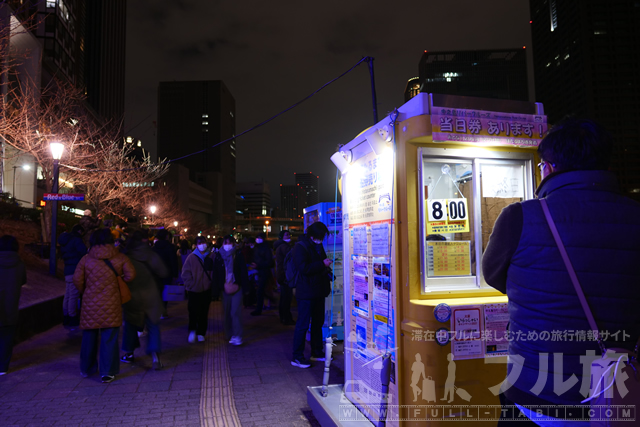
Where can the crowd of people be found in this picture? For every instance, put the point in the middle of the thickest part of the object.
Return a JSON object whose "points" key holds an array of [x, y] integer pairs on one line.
{"points": [[99, 260]]}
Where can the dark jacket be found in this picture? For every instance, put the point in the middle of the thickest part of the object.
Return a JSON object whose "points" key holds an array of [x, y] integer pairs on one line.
{"points": [[145, 296], [239, 271], [167, 253], [600, 230], [262, 257], [73, 249], [14, 276], [314, 280], [281, 249]]}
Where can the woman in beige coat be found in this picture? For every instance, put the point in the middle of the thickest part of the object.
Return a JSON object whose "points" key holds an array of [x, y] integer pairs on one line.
{"points": [[101, 313]]}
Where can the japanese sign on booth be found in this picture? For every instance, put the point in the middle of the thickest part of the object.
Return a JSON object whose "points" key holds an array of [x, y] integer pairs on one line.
{"points": [[488, 127]]}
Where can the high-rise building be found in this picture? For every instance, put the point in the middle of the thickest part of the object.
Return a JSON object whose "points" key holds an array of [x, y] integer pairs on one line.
{"points": [[84, 43], [496, 73], [309, 184], [104, 67], [255, 199], [292, 201], [586, 60], [195, 116]]}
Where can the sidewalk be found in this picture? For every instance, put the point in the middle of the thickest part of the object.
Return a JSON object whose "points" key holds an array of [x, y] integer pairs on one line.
{"points": [[212, 384]]}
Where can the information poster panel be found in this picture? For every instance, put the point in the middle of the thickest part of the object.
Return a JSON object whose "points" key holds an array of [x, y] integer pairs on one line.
{"points": [[368, 227]]}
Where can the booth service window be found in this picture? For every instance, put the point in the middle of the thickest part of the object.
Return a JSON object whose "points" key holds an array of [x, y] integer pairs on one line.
{"points": [[461, 200]]}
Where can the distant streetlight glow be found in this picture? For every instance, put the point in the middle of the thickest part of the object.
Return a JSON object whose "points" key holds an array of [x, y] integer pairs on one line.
{"points": [[175, 223], [153, 209]]}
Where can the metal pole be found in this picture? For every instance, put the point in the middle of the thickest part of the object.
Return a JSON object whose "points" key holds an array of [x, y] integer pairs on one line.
{"points": [[14, 183], [373, 90], [54, 220]]}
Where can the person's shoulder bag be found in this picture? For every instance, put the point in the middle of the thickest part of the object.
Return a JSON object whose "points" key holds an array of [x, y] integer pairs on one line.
{"points": [[616, 366], [125, 293]]}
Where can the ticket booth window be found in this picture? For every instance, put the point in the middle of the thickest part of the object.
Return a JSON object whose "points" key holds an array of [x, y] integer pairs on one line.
{"points": [[462, 196]]}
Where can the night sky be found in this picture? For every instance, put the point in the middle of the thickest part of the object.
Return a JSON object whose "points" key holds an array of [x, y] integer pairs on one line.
{"points": [[273, 54]]}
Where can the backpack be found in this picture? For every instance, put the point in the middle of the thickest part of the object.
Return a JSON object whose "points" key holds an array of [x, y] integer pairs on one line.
{"points": [[290, 272]]}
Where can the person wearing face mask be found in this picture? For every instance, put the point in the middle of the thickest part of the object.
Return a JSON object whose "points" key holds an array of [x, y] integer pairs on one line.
{"points": [[196, 274], [262, 261], [313, 285], [282, 247], [230, 275]]}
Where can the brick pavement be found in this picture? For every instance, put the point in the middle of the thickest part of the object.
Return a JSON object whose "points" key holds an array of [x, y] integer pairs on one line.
{"points": [[44, 386]]}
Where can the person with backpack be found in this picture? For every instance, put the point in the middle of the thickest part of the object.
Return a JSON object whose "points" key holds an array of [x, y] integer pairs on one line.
{"points": [[312, 279], [196, 274], [282, 247]]}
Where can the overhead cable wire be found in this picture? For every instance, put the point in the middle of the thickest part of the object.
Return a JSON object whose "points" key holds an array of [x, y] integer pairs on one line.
{"points": [[364, 59]]}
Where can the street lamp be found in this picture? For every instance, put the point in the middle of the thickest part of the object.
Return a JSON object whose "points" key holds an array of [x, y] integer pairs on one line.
{"points": [[25, 167], [175, 223], [56, 152], [152, 209], [267, 224]]}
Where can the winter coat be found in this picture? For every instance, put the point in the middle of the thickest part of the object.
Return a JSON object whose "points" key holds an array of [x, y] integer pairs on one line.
{"points": [[145, 296], [73, 249], [167, 253], [101, 303], [239, 271], [14, 276], [314, 280], [193, 275], [600, 230], [281, 249], [262, 257]]}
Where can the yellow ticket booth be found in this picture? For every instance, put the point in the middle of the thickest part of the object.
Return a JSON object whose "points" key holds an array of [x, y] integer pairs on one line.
{"points": [[425, 340]]}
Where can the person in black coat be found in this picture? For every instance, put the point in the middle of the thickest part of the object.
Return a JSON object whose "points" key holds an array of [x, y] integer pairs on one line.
{"points": [[73, 249], [282, 247], [262, 261], [14, 276], [313, 285], [167, 252]]}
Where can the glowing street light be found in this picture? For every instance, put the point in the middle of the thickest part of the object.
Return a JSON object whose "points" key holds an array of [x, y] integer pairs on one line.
{"points": [[153, 209], [267, 224], [175, 223]]}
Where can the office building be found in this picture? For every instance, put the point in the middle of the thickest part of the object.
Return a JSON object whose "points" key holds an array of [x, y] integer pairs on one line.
{"points": [[104, 67], [196, 116], [496, 73], [254, 199], [586, 60], [309, 184], [292, 201]]}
